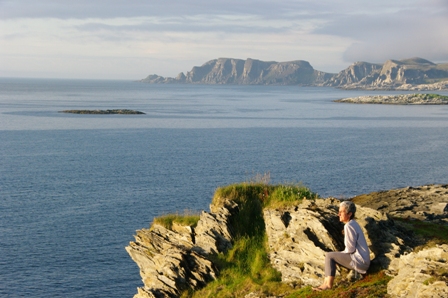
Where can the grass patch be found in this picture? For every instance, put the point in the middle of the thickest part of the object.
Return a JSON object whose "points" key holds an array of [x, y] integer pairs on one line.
{"points": [[188, 218], [429, 234], [373, 285], [436, 275], [288, 195], [246, 267], [270, 196], [429, 96]]}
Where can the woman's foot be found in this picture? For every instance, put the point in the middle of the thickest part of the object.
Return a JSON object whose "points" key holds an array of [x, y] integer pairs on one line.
{"points": [[328, 283], [321, 288]]}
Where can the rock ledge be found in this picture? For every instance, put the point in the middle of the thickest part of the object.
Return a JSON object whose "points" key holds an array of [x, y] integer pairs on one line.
{"points": [[401, 99], [179, 259]]}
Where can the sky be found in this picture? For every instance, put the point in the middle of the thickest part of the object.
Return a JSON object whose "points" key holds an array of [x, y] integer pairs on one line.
{"points": [[131, 39]]}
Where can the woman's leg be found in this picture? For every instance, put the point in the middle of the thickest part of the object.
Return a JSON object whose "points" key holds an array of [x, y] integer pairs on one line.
{"points": [[331, 259]]}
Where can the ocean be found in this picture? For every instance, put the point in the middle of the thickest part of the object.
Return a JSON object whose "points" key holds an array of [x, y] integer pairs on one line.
{"points": [[75, 188]]}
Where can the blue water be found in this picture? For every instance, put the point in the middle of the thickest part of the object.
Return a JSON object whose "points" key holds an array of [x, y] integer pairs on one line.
{"points": [[74, 188]]}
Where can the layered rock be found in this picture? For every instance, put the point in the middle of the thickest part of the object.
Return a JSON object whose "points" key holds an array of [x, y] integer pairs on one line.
{"points": [[421, 274], [428, 202], [299, 237], [400, 99], [248, 72], [407, 74], [168, 264], [357, 74], [176, 259]]}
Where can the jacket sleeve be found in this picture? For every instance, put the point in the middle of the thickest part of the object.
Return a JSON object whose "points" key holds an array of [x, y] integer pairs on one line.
{"points": [[350, 239]]}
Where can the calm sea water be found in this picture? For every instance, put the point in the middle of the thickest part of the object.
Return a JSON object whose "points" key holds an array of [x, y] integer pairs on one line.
{"points": [[74, 188]]}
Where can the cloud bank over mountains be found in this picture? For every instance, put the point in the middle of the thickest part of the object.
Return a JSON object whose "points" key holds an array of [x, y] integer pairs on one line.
{"points": [[127, 39]]}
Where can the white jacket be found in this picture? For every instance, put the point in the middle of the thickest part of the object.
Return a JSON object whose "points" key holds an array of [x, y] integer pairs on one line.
{"points": [[356, 246]]}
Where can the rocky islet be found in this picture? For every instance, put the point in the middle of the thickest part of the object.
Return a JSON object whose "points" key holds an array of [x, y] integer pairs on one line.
{"points": [[400, 99], [104, 112]]}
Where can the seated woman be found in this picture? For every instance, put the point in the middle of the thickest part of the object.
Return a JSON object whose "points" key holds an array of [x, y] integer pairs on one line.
{"points": [[356, 255]]}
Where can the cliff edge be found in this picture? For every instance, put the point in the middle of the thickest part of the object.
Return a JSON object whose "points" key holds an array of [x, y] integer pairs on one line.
{"points": [[407, 74], [182, 258]]}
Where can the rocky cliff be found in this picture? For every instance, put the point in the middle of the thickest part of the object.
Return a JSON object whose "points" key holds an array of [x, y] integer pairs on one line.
{"points": [[177, 259], [248, 72], [407, 74], [399, 99]]}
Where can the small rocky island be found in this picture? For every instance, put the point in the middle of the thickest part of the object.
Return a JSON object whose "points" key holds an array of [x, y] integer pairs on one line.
{"points": [[400, 99], [104, 112]]}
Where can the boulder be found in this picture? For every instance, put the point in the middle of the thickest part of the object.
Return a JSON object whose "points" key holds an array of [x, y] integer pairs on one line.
{"points": [[421, 274], [428, 202], [176, 259], [213, 233], [300, 236], [439, 208], [167, 263]]}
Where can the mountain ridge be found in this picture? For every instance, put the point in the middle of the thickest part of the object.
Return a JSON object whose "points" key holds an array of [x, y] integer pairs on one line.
{"points": [[407, 74]]}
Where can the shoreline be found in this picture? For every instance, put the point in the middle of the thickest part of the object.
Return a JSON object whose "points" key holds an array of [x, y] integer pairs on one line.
{"points": [[400, 99]]}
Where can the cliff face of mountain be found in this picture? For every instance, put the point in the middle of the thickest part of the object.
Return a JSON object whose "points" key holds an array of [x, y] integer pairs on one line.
{"points": [[248, 72], [393, 74], [407, 74], [359, 73]]}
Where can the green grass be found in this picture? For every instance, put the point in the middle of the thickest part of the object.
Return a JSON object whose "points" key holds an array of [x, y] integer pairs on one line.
{"points": [[433, 95], [428, 234], [188, 218], [246, 267], [269, 196], [373, 286]]}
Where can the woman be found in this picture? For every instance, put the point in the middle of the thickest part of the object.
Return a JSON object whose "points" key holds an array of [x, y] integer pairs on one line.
{"points": [[356, 255]]}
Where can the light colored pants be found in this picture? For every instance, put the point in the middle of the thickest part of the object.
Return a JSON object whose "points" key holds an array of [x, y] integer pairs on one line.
{"points": [[336, 257]]}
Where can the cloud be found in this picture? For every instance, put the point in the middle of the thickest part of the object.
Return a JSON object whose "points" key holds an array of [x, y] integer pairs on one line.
{"points": [[200, 23], [140, 8], [170, 36], [398, 33]]}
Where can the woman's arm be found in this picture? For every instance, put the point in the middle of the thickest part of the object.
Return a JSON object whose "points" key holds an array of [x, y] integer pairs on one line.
{"points": [[350, 238]]}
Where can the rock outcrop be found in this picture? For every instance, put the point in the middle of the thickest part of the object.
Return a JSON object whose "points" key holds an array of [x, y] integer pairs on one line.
{"points": [[104, 112], [400, 99], [299, 237], [407, 74], [357, 74], [428, 202], [176, 259], [168, 262], [248, 72], [421, 274]]}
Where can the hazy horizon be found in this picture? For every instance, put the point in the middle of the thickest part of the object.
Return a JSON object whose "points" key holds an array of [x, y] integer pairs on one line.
{"points": [[129, 39]]}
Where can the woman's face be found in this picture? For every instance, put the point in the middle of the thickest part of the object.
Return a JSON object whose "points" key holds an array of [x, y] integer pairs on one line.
{"points": [[343, 215]]}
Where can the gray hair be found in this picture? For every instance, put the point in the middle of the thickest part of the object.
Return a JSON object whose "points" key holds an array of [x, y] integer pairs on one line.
{"points": [[349, 206]]}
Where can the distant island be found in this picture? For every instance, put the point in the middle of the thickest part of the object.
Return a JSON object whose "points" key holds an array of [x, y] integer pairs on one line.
{"points": [[408, 74], [104, 112], [400, 99]]}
